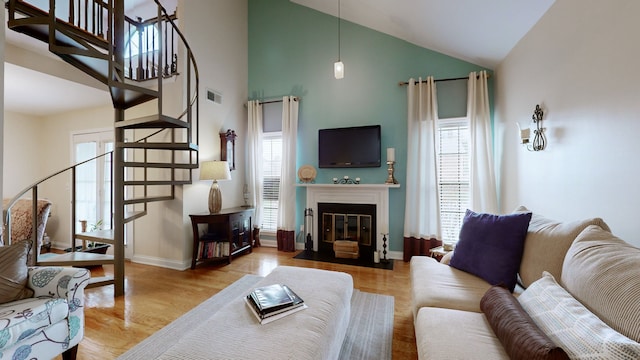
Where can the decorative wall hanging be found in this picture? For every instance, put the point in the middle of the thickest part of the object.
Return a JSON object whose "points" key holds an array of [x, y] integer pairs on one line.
{"points": [[228, 148]]}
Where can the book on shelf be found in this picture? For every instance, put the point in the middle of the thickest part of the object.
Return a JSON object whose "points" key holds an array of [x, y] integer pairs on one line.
{"points": [[272, 302], [213, 249]]}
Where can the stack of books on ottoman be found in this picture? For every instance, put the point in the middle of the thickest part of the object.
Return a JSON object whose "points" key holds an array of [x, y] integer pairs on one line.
{"points": [[272, 302]]}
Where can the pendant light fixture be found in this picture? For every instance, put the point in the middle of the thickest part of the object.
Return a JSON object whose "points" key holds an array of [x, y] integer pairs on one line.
{"points": [[338, 66]]}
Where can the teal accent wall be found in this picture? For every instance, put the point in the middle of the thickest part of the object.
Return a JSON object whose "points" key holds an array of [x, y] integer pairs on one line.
{"points": [[292, 49]]}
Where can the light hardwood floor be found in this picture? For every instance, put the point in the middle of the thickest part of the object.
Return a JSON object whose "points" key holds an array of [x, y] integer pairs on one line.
{"points": [[156, 296]]}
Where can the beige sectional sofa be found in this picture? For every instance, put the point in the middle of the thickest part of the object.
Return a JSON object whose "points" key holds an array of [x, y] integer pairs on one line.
{"points": [[580, 287]]}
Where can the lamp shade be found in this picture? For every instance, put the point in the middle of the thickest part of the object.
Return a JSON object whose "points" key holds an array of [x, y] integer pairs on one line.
{"points": [[215, 170]]}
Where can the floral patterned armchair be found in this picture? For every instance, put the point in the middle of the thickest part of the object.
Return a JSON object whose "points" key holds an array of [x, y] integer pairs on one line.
{"points": [[49, 323], [21, 224]]}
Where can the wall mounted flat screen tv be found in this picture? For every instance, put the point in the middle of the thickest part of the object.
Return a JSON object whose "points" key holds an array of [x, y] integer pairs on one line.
{"points": [[351, 147]]}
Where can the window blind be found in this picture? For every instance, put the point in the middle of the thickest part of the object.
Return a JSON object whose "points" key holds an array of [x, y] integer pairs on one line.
{"points": [[272, 153], [453, 175]]}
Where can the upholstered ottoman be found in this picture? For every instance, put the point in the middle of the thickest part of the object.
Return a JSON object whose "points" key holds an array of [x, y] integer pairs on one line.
{"points": [[317, 332]]}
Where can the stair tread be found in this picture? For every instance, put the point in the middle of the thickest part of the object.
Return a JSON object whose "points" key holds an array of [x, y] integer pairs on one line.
{"points": [[100, 281], [126, 97], [77, 258], [156, 182], [153, 122], [147, 199], [35, 16], [158, 145], [105, 236], [160, 165]]}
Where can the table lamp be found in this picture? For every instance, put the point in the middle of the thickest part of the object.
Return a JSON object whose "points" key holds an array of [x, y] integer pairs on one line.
{"points": [[215, 170]]}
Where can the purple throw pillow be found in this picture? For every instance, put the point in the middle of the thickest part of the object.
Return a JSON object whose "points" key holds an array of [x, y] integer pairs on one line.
{"points": [[490, 246]]}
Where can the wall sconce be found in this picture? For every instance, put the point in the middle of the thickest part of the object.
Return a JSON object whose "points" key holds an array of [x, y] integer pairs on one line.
{"points": [[539, 142]]}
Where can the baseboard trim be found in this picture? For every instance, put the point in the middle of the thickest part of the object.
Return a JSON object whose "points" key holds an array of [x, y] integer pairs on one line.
{"points": [[161, 262]]}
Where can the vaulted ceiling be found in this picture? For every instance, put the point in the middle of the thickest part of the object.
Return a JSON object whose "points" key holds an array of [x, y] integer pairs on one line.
{"points": [[481, 32]]}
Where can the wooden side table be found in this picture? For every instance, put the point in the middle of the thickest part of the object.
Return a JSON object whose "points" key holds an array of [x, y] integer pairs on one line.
{"points": [[220, 236]]}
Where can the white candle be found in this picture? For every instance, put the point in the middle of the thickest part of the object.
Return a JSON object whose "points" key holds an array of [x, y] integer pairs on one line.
{"points": [[346, 177], [358, 179], [391, 154], [385, 229]]}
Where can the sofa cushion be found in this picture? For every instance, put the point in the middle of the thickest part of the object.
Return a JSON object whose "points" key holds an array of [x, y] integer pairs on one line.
{"points": [[438, 285], [518, 333], [490, 246], [14, 272], [603, 272], [547, 243], [24, 318], [572, 326], [455, 334]]}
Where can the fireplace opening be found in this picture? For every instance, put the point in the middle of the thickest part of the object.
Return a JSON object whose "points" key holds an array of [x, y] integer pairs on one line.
{"points": [[354, 223]]}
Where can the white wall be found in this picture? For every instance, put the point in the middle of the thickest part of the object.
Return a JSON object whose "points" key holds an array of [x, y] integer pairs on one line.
{"points": [[23, 154], [580, 63], [217, 34]]}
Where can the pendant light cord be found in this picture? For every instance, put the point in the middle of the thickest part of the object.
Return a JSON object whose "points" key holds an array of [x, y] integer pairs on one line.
{"points": [[339, 30]]}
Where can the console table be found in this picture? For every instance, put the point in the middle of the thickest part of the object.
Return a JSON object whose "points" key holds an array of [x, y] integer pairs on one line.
{"points": [[220, 236]]}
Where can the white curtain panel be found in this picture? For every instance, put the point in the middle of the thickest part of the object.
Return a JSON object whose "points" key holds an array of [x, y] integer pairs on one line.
{"points": [[483, 181], [422, 209], [255, 175], [287, 201]]}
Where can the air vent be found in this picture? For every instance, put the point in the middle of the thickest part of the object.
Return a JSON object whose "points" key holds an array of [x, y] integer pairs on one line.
{"points": [[214, 96]]}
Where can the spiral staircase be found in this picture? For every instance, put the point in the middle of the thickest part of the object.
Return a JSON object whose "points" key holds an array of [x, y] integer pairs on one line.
{"points": [[154, 153]]}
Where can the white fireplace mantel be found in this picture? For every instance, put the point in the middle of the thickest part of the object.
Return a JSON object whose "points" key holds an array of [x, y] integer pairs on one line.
{"points": [[376, 194]]}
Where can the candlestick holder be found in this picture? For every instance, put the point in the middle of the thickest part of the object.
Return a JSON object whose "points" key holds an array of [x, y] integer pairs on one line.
{"points": [[384, 259], [390, 179]]}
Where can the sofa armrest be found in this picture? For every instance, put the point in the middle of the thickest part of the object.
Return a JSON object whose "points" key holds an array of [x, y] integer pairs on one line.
{"points": [[59, 282]]}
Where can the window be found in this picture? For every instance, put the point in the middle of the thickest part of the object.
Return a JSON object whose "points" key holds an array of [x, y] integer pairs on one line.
{"points": [[142, 42], [271, 155], [453, 175]]}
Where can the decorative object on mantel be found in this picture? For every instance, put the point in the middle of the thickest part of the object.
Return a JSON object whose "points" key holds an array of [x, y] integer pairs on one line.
{"points": [[391, 160], [228, 148], [539, 139], [215, 170], [307, 174], [346, 180]]}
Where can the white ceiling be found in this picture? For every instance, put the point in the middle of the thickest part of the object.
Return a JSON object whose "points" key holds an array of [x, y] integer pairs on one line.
{"points": [[38, 94], [481, 32]]}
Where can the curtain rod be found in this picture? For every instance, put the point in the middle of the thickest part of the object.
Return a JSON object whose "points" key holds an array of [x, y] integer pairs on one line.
{"points": [[402, 83], [275, 101]]}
